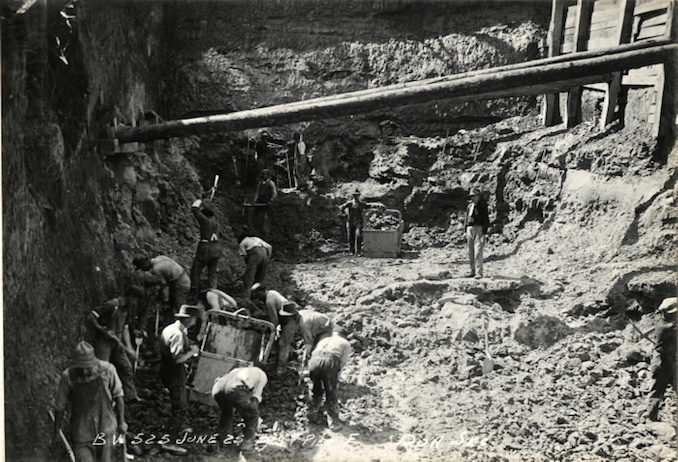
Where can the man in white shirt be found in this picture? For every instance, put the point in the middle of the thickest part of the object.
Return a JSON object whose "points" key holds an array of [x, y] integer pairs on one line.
{"points": [[328, 359], [257, 253], [241, 390], [175, 351]]}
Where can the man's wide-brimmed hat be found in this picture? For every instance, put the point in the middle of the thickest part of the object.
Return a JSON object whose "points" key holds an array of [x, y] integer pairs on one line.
{"points": [[83, 355], [256, 286], [356, 192], [187, 311], [475, 192], [669, 305]]}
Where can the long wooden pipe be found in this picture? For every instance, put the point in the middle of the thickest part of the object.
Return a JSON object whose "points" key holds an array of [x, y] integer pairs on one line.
{"points": [[532, 78]]}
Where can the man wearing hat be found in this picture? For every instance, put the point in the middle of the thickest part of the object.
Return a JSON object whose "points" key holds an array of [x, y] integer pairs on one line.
{"points": [[171, 276], [266, 194], [476, 225], [257, 253], [353, 209], [94, 392], [208, 251], [328, 359], [175, 351], [665, 373], [240, 389], [312, 325], [281, 313]]}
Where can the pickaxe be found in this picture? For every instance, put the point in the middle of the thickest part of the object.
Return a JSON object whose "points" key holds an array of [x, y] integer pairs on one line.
{"points": [[62, 437], [214, 187]]}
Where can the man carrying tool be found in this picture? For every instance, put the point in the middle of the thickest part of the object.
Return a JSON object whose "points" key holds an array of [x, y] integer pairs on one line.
{"points": [[353, 209], [266, 195], [175, 351], [257, 254], [240, 389], [92, 390], [209, 250], [312, 325], [476, 225], [327, 360], [281, 313], [172, 277], [665, 372], [111, 338]]}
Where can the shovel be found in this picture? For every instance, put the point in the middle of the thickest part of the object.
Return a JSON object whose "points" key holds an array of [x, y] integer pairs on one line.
{"points": [[138, 341], [64, 441], [488, 362]]}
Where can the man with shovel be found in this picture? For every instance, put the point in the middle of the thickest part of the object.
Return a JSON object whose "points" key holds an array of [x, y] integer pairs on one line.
{"points": [[92, 391], [266, 195], [170, 275], [110, 322], [257, 253]]}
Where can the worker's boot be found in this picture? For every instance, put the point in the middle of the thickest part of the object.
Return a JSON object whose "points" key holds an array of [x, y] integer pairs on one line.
{"points": [[247, 445]]}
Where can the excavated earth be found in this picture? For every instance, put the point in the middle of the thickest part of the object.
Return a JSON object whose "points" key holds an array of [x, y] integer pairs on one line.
{"points": [[581, 248]]}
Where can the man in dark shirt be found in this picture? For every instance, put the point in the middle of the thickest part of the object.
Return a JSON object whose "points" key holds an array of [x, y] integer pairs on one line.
{"points": [[477, 222], [665, 373], [266, 194], [209, 251], [353, 210]]}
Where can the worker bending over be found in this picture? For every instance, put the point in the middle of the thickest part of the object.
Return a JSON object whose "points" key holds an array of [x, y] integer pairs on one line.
{"points": [[171, 276], [92, 391], [312, 325], [328, 359], [257, 253], [241, 390]]}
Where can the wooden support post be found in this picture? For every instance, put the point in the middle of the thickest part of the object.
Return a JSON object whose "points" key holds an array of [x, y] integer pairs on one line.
{"points": [[659, 101], [551, 108], [614, 86], [581, 32]]}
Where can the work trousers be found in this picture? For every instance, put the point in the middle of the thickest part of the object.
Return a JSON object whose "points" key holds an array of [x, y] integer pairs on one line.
{"points": [[178, 292], [257, 264], [207, 255], [173, 377], [288, 327], [89, 453], [262, 219], [664, 374], [110, 351], [354, 234], [239, 398], [92, 413], [476, 241], [324, 372]]}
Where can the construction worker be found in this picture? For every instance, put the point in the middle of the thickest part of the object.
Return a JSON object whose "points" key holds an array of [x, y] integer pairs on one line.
{"points": [[213, 299], [92, 391], [281, 313], [302, 167], [241, 390], [266, 195], [172, 277], [476, 225], [175, 351], [209, 250], [110, 322], [665, 372], [257, 253], [327, 360], [353, 209], [312, 325]]}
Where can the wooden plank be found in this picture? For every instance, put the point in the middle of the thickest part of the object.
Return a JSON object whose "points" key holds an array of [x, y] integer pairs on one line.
{"points": [[645, 8], [551, 109], [581, 31], [596, 87], [654, 21], [604, 18], [649, 81], [650, 32], [661, 102]]}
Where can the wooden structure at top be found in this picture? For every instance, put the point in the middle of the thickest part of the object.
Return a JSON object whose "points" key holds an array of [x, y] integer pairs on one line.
{"points": [[585, 25]]}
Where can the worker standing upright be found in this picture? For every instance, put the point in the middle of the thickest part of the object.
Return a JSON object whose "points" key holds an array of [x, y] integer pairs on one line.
{"points": [[353, 209], [208, 251], [476, 225], [175, 351], [265, 196], [92, 391], [171, 276], [257, 254], [665, 372], [241, 390], [327, 360], [302, 167]]}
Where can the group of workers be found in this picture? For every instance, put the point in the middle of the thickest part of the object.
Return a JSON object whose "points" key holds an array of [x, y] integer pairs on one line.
{"points": [[101, 379]]}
